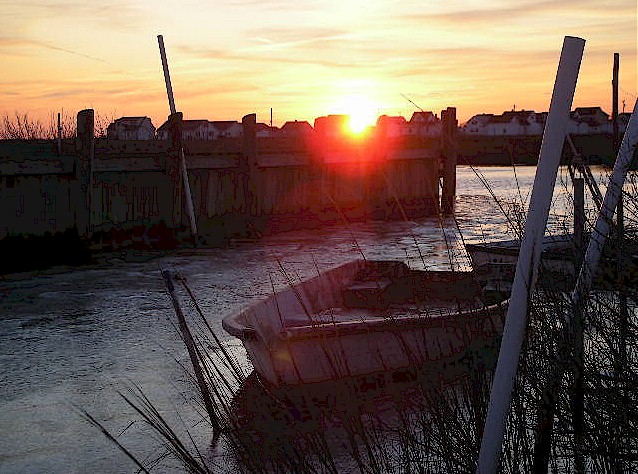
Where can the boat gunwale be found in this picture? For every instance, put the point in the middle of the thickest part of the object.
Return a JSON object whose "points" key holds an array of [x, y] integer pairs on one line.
{"points": [[452, 319], [547, 254]]}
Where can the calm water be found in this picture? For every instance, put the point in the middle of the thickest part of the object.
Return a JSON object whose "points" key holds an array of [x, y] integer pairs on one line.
{"points": [[71, 339]]}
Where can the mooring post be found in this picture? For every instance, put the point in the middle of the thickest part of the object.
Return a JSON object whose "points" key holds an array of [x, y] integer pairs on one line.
{"points": [[173, 168], [85, 147], [449, 149]]}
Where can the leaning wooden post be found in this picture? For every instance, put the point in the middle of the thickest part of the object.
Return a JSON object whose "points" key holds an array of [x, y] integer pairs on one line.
{"points": [[449, 148], [626, 154], [184, 171], [192, 352], [529, 255], [85, 146]]}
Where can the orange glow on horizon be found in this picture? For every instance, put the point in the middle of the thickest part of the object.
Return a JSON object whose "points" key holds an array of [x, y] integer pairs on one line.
{"points": [[307, 61]]}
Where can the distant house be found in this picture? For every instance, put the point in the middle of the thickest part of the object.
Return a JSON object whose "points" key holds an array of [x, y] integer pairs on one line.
{"points": [[521, 122], [226, 128], [131, 128], [594, 114], [204, 130], [585, 120], [424, 124], [191, 130], [265, 131], [512, 123], [390, 126], [297, 128], [476, 125], [197, 130]]}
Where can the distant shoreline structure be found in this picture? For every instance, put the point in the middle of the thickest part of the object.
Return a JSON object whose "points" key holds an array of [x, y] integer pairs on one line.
{"points": [[514, 123]]}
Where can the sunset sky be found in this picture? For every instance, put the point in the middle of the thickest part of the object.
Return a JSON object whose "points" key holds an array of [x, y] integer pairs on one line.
{"points": [[307, 58]]}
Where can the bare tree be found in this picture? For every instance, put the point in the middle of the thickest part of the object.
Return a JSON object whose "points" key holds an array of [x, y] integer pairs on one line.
{"points": [[21, 126]]}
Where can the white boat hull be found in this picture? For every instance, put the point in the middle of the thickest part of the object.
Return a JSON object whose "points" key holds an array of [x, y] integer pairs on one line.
{"points": [[303, 334]]}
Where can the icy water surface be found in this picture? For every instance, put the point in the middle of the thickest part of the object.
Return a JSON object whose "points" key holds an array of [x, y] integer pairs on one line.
{"points": [[71, 338]]}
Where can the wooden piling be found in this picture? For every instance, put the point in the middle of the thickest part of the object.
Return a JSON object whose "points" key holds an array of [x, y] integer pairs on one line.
{"points": [[249, 139], [85, 147], [173, 169], [449, 148]]}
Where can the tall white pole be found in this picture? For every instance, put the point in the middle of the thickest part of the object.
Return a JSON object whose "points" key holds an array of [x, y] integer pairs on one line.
{"points": [[603, 222], [171, 103], [530, 252]]}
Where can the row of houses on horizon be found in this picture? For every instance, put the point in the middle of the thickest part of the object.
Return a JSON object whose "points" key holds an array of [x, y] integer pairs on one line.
{"points": [[583, 120]]}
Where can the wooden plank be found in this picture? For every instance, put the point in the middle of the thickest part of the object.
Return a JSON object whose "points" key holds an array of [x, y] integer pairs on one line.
{"points": [[283, 159], [60, 165], [128, 164], [213, 162]]}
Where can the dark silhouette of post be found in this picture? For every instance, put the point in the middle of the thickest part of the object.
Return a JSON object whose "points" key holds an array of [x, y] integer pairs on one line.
{"points": [[182, 159], [449, 149], [578, 394], [249, 145], [85, 147], [614, 104], [173, 168], [621, 362], [249, 150]]}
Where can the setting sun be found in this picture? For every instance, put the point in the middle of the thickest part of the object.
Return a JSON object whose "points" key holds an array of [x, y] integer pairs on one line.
{"points": [[362, 111]]}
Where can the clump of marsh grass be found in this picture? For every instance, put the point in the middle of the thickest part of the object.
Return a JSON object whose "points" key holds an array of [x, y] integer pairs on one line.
{"points": [[432, 420]]}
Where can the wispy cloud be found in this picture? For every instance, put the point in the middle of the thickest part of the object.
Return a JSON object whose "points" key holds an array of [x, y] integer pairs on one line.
{"points": [[278, 5], [514, 10], [503, 13], [267, 58], [298, 54], [114, 14], [11, 44], [288, 37]]}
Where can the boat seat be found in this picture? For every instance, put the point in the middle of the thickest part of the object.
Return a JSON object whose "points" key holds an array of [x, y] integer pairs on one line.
{"points": [[367, 294]]}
